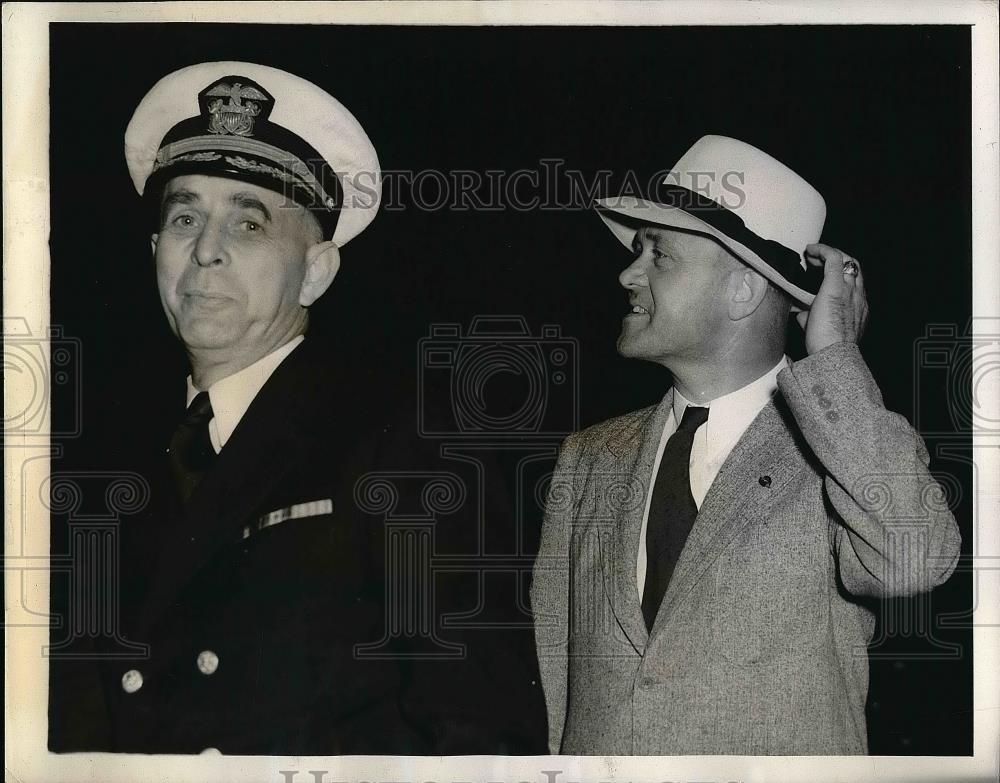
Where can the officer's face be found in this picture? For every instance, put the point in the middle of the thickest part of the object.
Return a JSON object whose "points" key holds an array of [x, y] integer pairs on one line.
{"points": [[677, 287], [230, 264]]}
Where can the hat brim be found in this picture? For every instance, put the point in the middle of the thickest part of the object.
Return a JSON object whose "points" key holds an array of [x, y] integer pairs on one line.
{"points": [[636, 211]]}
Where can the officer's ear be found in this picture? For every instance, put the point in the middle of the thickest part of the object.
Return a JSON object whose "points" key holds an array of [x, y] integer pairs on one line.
{"points": [[153, 239], [322, 265], [747, 289]]}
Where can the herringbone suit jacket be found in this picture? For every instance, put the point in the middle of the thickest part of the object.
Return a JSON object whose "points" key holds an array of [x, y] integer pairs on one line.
{"points": [[759, 646]]}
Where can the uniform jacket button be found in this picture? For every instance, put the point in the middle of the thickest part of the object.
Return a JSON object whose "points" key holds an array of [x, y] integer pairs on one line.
{"points": [[208, 662], [131, 681]]}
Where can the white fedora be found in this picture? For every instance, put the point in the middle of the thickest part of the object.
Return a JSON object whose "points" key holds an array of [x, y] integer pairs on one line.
{"points": [[755, 206]]}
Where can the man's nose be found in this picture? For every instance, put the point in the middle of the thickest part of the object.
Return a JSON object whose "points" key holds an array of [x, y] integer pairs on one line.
{"points": [[209, 248], [634, 274]]}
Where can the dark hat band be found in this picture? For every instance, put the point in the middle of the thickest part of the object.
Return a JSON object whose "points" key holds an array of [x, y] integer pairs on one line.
{"points": [[283, 165], [783, 260], [250, 170], [248, 160]]}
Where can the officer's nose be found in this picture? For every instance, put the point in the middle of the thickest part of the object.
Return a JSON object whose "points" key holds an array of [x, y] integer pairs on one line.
{"points": [[634, 274], [209, 249]]}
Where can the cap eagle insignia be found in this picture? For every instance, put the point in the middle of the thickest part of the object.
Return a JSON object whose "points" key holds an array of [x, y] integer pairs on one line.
{"points": [[236, 116]]}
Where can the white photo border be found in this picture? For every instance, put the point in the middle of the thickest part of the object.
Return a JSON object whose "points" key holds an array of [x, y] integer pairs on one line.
{"points": [[26, 288]]}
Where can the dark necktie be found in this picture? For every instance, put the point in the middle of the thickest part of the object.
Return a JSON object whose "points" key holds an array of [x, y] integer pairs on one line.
{"points": [[671, 512], [191, 451]]}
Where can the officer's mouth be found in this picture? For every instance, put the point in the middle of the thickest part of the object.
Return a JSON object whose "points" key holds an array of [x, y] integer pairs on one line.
{"points": [[206, 300]]}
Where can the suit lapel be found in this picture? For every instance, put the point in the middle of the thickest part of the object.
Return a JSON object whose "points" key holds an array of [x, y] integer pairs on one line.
{"points": [[628, 457], [735, 499]]}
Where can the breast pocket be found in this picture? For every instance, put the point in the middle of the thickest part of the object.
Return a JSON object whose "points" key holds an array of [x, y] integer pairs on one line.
{"points": [[307, 594], [299, 553], [771, 590]]}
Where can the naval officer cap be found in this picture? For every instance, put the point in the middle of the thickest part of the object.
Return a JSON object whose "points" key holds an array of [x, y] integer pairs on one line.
{"points": [[260, 125]]}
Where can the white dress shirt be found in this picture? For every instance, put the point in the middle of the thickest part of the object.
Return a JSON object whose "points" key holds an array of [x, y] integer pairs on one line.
{"points": [[728, 418], [232, 395]]}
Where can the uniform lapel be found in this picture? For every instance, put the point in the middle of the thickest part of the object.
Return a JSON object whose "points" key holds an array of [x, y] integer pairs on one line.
{"points": [[735, 499], [257, 456], [628, 459]]}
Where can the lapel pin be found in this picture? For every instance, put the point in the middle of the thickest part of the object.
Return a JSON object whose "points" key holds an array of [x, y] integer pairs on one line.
{"points": [[764, 481]]}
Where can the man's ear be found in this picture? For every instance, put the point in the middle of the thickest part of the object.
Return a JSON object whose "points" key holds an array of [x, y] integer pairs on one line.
{"points": [[322, 265], [747, 289], [153, 239]]}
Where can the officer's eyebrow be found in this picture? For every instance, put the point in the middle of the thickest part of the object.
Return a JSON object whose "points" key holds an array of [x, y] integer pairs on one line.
{"points": [[176, 197], [250, 201], [179, 197]]}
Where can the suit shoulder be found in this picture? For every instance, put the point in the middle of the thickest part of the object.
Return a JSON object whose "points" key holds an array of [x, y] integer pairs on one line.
{"points": [[598, 434]]}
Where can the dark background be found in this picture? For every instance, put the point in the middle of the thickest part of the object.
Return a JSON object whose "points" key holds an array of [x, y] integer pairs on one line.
{"points": [[878, 119]]}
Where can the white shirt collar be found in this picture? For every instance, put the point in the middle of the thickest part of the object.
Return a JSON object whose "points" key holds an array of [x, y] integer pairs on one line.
{"points": [[231, 396], [730, 414]]}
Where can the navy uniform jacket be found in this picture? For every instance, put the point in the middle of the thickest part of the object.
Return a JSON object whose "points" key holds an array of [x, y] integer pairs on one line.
{"points": [[253, 633]]}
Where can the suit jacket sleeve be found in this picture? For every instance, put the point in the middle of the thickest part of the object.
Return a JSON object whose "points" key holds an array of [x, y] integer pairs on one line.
{"points": [[892, 533], [550, 589]]}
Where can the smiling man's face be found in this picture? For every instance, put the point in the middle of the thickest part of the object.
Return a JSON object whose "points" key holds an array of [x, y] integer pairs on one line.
{"points": [[677, 296], [230, 262]]}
